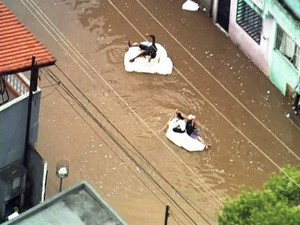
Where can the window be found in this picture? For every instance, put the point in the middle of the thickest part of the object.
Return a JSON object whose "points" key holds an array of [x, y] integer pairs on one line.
{"points": [[287, 46], [249, 20]]}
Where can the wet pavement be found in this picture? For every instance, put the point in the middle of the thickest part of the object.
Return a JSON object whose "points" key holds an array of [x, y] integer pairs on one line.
{"points": [[109, 123]]}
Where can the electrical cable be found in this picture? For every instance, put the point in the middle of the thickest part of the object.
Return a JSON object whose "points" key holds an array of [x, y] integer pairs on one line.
{"points": [[126, 151], [262, 152], [62, 40]]}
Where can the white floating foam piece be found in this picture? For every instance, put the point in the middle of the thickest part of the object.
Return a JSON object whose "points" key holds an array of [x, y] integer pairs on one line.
{"points": [[190, 6], [183, 139], [161, 64]]}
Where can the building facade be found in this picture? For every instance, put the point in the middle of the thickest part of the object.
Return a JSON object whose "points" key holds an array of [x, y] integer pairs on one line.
{"points": [[21, 184], [268, 32], [22, 169]]}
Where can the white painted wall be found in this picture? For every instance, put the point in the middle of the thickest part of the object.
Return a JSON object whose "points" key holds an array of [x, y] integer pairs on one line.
{"points": [[257, 53]]}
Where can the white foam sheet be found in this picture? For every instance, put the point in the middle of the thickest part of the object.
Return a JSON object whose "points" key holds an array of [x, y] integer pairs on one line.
{"points": [[161, 64], [183, 139], [190, 6]]}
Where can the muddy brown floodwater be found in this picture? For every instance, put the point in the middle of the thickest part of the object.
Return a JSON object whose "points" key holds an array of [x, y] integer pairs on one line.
{"points": [[109, 123]]}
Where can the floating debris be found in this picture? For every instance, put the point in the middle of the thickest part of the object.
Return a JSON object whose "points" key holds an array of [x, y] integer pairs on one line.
{"points": [[190, 6]]}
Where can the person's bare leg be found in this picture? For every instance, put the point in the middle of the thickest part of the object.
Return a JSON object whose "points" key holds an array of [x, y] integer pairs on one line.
{"points": [[139, 55], [132, 44], [202, 140]]}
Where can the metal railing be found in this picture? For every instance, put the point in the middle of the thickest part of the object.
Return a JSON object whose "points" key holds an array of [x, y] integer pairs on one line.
{"points": [[17, 83]]}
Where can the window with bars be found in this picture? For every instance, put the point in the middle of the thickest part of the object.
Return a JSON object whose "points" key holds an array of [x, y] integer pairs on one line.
{"points": [[249, 20], [288, 47]]}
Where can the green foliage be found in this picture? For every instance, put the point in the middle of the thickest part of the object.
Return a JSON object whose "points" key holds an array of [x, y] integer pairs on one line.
{"points": [[277, 204], [286, 185]]}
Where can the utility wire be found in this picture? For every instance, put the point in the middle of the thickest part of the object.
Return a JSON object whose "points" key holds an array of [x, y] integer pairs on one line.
{"points": [[117, 142], [136, 150], [83, 63]]}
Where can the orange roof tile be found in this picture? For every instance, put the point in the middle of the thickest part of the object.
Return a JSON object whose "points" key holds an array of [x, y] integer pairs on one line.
{"points": [[18, 45]]}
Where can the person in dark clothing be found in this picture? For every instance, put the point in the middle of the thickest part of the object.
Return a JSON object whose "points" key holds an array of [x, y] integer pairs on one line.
{"points": [[296, 106], [145, 49], [193, 131]]}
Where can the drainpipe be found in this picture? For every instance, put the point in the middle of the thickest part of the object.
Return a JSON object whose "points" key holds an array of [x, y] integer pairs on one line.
{"points": [[214, 10], [32, 88]]}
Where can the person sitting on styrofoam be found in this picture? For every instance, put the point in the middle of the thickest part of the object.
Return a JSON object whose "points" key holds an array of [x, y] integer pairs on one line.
{"points": [[193, 131]]}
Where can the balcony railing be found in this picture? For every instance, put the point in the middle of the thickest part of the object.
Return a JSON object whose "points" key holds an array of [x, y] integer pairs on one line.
{"points": [[12, 86]]}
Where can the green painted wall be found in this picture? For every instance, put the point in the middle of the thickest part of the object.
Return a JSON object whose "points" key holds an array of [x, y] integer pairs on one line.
{"points": [[294, 5], [282, 72]]}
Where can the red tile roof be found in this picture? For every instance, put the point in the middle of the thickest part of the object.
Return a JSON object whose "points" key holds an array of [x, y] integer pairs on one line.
{"points": [[18, 45]]}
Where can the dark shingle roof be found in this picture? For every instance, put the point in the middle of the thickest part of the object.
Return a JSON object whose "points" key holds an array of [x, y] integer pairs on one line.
{"points": [[18, 45]]}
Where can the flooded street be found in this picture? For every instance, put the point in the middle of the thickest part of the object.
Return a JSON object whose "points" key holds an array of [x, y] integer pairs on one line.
{"points": [[110, 124]]}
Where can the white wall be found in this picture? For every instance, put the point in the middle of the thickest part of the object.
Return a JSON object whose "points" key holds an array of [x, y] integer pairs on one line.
{"points": [[258, 53]]}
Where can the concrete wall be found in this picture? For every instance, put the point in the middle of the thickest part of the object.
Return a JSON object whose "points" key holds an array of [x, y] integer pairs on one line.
{"points": [[294, 6], [36, 172], [13, 117], [283, 74], [265, 55], [286, 73], [258, 53]]}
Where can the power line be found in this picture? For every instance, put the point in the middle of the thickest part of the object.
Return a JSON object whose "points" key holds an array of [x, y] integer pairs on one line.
{"points": [[70, 49], [117, 142], [251, 142], [79, 56]]}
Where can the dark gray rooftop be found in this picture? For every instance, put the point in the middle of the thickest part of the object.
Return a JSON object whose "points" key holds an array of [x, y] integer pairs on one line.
{"points": [[80, 205]]}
